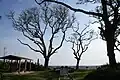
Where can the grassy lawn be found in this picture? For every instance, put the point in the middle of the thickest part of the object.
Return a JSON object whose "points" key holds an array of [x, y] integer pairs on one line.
{"points": [[45, 75], [79, 75]]}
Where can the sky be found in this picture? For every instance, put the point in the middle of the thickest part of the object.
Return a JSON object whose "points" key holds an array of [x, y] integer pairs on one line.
{"points": [[95, 55]]}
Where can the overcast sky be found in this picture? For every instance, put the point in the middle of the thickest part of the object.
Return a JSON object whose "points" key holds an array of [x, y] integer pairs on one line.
{"points": [[96, 54]]}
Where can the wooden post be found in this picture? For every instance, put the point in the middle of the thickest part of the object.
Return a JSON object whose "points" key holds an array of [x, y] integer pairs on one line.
{"points": [[4, 63], [25, 65], [30, 66], [19, 66], [11, 65]]}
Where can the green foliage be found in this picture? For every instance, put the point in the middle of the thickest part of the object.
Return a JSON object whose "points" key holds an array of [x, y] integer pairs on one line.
{"points": [[1, 65], [79, 74], [37, 67], [4, 66]]}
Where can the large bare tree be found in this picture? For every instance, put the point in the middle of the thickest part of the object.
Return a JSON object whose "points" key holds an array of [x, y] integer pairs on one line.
{"points": [[110, 26], [80, 40], [100, 22], [48, 20]]}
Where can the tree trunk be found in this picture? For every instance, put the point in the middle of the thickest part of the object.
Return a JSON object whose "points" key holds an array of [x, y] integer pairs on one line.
{"points": [[110, 46], [46, 62], [111, 55], [77, 65]]}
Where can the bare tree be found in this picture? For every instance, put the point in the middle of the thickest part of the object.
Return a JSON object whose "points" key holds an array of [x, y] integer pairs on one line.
{"points": [[50, 20], [80, 41], [100, 21], [108, 9]]}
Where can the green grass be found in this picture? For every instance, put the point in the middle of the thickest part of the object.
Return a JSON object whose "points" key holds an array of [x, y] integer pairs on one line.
{"points": [[79, 75], [41, 75], [45, 75]]}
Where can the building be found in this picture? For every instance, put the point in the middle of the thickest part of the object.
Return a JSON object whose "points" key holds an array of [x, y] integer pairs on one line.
{"points": [[17, 63]]}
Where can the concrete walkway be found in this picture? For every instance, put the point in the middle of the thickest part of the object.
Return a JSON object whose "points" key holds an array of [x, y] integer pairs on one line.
{"points": [[21, 73]]}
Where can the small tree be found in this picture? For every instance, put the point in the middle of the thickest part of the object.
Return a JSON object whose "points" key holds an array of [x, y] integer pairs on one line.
{"points": [[80, 41], [34, 24]]}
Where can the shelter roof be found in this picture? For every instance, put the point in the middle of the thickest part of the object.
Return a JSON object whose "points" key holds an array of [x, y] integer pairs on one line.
{"points": [[13, 57]]}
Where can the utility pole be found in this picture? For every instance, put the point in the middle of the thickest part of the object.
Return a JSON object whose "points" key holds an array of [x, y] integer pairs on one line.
{"points": [[4, 51]]}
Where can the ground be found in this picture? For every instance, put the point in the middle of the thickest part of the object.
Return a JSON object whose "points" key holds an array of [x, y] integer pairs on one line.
{"points": [[45, 75]]}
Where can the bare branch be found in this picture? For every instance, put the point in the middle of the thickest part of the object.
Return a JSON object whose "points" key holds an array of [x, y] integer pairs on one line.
{"points": [[74, 9], [84, 29], [74, 52], [109, 3], [39, 44], [30, 46], [63, 38], [105, 12], [40, 2], [116, 48], [50, 45]]}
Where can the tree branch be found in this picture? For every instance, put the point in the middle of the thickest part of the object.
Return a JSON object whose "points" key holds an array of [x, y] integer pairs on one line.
{"points": [[30, 46], [50, 45], [63, 38], [36, 42], [105, 13], [109, 3], [74, 52], [71, 8], [116, 48]]}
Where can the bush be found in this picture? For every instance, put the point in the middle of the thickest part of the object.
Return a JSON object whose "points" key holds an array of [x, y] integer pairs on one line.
{"points": [[104, 72], [4, 66]]}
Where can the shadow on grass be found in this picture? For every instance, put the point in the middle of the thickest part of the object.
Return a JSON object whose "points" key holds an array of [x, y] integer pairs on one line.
{"points": [[105, 72]]}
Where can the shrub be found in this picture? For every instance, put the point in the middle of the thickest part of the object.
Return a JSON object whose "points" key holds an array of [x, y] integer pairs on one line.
{"points": [[104, 72]]}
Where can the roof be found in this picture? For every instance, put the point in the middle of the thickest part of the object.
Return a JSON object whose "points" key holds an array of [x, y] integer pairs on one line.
{"points": [[12, 57]]}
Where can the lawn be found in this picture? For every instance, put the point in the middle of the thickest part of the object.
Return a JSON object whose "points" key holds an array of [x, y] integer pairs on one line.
{"points": [[45, 75]]}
